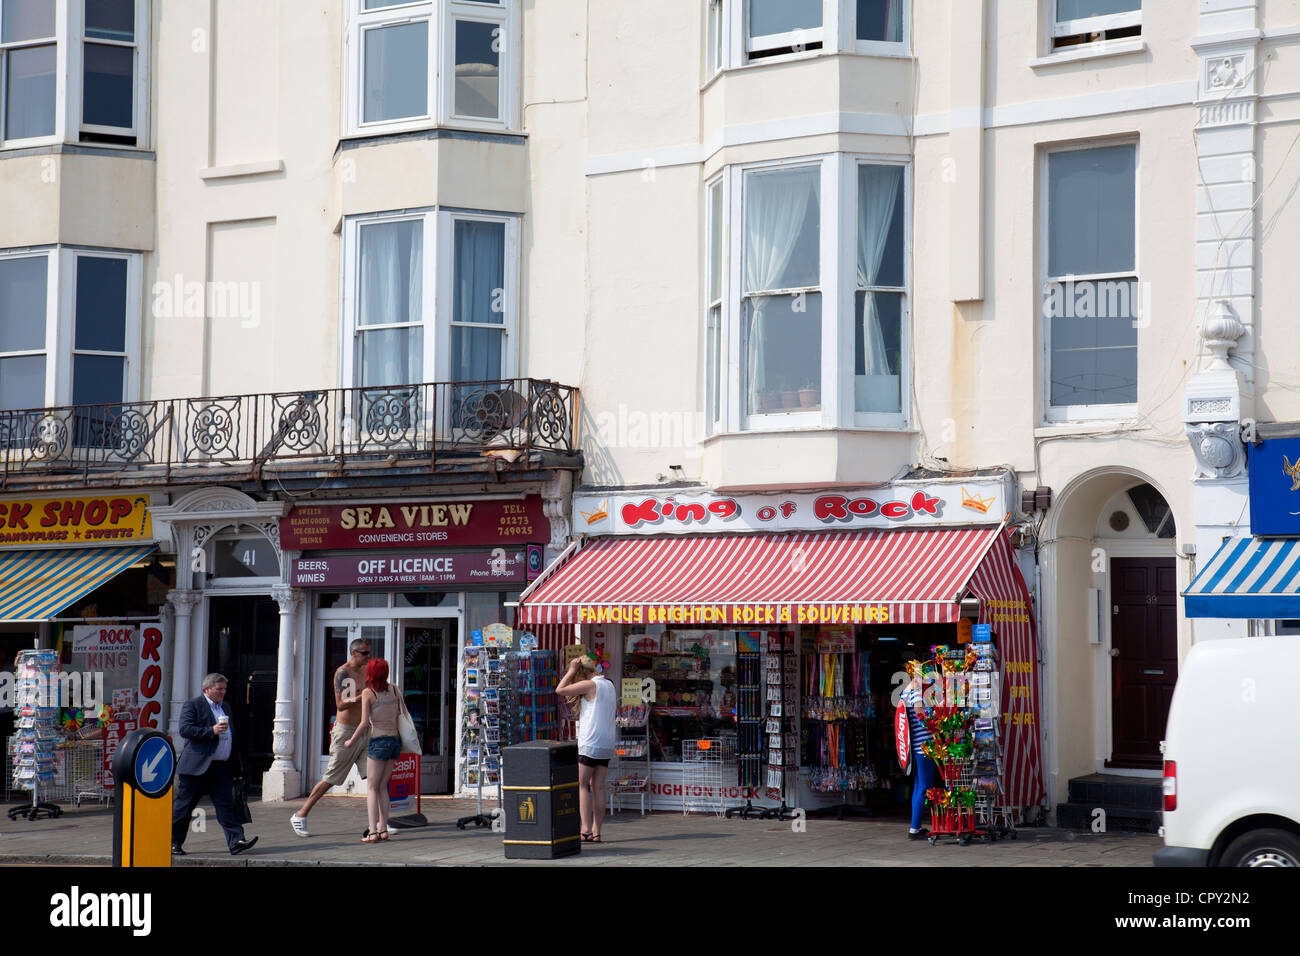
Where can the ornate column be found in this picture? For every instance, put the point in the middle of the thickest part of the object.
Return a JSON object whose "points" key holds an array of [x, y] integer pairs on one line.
{"points": [[283, 780], [182, 602]]}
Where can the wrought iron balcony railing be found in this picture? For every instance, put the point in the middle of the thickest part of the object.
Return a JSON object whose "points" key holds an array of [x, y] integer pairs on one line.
{"points": [[187, 439]]}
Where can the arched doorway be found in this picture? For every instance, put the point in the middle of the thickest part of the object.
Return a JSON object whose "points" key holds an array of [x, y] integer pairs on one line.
{"points": [[1111, 575], [1139, 591]]}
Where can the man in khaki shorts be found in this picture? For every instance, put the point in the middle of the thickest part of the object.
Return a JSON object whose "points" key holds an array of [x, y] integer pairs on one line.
{"points": [[349, 681]]}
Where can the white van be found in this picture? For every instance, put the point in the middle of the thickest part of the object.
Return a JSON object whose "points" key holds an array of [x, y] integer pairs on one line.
{"points": [[1232, 756]]}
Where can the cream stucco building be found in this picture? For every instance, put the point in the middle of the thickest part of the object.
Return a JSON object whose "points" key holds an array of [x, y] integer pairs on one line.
{"points": [[778, 245]]}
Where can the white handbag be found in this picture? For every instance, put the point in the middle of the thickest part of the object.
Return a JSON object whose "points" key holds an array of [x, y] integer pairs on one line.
{"points": [[406, 730]]}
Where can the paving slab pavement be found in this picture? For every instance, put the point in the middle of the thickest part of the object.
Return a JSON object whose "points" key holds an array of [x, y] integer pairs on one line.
{"points": [[84, 837]]}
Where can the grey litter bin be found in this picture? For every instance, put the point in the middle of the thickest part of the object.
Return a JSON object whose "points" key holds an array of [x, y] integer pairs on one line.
{"points": [[539, 787]]}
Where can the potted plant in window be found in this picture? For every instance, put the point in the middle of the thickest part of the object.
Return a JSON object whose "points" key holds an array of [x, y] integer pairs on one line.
{"points": [[769, 401], [789, 394], [810, 396]]}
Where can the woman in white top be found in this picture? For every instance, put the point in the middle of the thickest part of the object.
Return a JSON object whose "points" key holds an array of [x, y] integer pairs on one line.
{"points": [[596, 736]]}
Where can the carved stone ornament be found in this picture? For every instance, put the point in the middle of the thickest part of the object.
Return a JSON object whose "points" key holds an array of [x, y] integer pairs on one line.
{"points": [[1221, 330], [1218, 449]]}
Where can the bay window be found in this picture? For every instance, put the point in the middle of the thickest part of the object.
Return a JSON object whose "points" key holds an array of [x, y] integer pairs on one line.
{"points": [[781, 288], [1075, 22], [713, 358], [880, 298], [419, 63], [69, 327], [739, 32], [806, 302], [773, 27], [879, 21], [101, 97], [429, 296], [1091, 303]]}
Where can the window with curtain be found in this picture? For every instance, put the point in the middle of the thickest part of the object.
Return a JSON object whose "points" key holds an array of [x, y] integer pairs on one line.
{"points": [[23, 318], [478, 300], [389, 332], [880, 20], [414, 62], [1091, 295], [880, 301], [397, 267], [713, 357], [1089, 21], [775, 27], [782, 302]]}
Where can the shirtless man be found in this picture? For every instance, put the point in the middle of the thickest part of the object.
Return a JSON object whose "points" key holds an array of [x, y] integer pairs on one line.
{"points": [[349, 681]]}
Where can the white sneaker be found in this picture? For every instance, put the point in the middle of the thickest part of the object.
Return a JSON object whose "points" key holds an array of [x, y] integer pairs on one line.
{"points": [[299, 825]]}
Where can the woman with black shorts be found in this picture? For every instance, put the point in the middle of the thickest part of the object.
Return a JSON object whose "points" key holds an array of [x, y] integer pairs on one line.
{"points": [[596, 738]]}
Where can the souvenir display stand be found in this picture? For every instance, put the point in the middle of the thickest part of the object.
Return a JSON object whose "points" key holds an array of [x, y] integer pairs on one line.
{"points": [[37, 733], [776, 685], [533, 714], [837, 707], [629, 773], [964, 736], [982, 697], [484, 675]]}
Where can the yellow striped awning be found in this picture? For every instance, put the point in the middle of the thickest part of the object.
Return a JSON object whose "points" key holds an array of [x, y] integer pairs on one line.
{"points": [[36, 585]]}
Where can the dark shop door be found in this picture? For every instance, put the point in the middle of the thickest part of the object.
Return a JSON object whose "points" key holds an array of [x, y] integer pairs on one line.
{"points": [[1144, 656], [243, 644]]}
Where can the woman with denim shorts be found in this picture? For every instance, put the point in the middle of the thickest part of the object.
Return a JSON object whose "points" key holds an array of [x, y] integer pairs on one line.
{"points": [[381, 703]]}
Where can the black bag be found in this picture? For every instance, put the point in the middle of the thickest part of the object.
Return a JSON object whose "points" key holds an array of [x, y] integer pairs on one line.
{"points": [[242, 813]]}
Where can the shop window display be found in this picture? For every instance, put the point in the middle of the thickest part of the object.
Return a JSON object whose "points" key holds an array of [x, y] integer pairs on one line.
{"points": [[695, 684]]}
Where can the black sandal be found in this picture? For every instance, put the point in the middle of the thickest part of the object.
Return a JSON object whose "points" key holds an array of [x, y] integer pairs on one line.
{"points": [[586, 838]]}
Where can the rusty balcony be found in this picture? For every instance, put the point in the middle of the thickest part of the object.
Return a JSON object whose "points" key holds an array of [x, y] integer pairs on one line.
{"points": [[519, 424]]}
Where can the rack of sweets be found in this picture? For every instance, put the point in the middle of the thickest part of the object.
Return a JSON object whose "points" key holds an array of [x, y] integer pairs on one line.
{"points": [[483, 672], [630, 771], [837, 710], [37, 733], [534, 714]]}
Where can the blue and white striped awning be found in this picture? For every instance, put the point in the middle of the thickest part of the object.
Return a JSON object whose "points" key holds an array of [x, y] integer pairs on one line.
{"points": [[1248, 578], [36, 585]]}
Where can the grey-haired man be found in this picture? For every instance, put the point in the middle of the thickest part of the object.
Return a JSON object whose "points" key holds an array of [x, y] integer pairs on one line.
{"points": [[206, 766]]}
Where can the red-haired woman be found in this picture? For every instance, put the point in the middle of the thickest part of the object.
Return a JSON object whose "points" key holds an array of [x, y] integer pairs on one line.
{"points": [[380, 705]]}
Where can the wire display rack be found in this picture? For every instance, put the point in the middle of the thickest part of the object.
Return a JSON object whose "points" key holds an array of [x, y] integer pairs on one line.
{"points": [[708, 763], [78, 774]]}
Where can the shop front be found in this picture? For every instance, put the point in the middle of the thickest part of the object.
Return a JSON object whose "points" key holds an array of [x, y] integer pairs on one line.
{"points": [[79, 578], [1256, 578], [414, 579], [776, 628]]}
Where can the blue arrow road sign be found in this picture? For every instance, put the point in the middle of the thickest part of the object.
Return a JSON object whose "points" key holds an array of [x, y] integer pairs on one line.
{"points": [[154, 761]]}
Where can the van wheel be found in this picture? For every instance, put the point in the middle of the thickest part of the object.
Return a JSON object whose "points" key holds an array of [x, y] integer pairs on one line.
{"points": [[1263, 848]]}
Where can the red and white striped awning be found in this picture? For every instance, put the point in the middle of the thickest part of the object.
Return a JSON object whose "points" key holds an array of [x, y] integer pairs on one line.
{"points": [[904, 577]]}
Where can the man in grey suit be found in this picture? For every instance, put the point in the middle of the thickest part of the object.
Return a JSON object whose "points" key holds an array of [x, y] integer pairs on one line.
{"points": [[206, 766]]}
